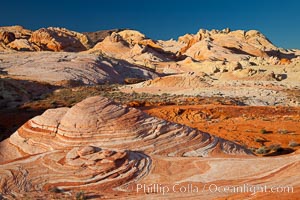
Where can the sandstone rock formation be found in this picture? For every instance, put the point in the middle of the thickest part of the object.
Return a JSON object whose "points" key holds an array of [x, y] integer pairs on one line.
{"points": [[86, 146], [7, 37], [59, 39], [252, 85], [99, 36], [53, 39], [19, 31], [106, 148], [58, 67], [84, 167], [136, 48], [225, 45], [145, 53], [189, 80], [132, 36], [114, 46], [23, 45], [99, 122]]}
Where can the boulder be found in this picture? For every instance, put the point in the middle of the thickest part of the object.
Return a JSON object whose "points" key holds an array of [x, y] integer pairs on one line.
{"points": [[7, 37]]}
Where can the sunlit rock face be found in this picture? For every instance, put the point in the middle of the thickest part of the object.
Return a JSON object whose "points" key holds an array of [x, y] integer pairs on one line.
{"points": [[84, 167], [96, 144], [100, 122]]}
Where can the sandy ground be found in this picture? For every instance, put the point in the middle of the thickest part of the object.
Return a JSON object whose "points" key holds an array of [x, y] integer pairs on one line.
{"points": [[247, 125]]}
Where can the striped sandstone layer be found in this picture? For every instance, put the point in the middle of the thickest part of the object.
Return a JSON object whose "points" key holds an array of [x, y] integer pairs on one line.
{"points": [[100, 122]]}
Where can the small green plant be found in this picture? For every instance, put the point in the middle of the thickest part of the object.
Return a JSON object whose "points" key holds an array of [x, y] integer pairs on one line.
{"points": [[80, 196], [53, 102], [262, 150], [293, 144], [259, 140], [253, 149], [263, 131], [55, 190], [276, 147]]}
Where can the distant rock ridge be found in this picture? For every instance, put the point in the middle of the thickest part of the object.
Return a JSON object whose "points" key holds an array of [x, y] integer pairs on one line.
{"points": [[214, 45], [226, 45], [122, 54]]}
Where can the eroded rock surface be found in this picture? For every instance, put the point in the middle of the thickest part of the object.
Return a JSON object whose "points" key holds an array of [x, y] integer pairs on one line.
{"points": [[55, 68], [100, 122], [84, 167]]}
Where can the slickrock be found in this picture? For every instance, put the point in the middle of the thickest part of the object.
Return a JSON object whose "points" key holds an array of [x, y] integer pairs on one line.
{"points": [[104, 148], [208, 50], [114, 46], [173, 82], [224, 45], [252, 85], [23, 45], [100, 122], [96, 145], [55, 68], [136, 51], [226, 178], [257, 39], [134, 47], [171, 45], [84, 167]]}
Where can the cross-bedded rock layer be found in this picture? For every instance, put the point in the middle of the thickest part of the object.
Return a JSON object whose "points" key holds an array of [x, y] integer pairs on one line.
{"points": [[100, 122], [82, 167]]}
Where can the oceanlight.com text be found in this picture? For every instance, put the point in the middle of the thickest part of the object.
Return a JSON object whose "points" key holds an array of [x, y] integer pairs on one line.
{"points": [[211, 188]]}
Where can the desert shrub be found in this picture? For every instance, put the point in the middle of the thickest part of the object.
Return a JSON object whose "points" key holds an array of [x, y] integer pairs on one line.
{"points": [[263, 131], [133, 80], [293, 144], [253, 149], [259, 140], [262, 150], [55, 190], [80, 196], [276, 147]]}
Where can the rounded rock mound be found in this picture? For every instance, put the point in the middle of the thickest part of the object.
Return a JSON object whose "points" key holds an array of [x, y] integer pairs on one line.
{"points": [[98, 121]]}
